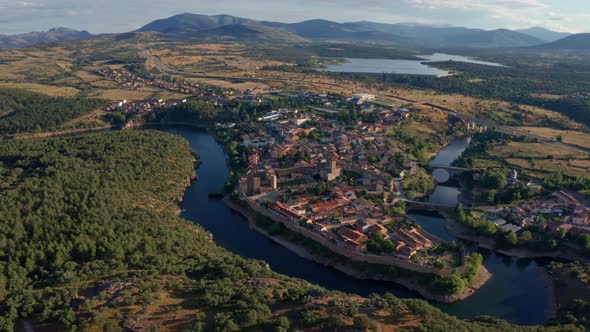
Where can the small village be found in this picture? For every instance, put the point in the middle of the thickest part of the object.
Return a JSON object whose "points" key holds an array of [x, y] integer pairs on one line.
{"points": [[306, 170], [559, 216]]}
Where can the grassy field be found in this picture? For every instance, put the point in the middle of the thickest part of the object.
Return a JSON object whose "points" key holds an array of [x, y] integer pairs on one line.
{"points": [[51, 90], [540, 158], [121, 94], [569, 136]]}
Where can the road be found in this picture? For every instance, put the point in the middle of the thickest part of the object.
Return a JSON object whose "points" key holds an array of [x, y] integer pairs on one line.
{"points": [[452, 112]]}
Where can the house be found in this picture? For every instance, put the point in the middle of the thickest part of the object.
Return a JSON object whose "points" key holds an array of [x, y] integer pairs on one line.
{"points": [[363, 204], [378, 229], [284, 211], [404, 251], [255, 141], [363, 97], [353, 235], [363, 226], [323, 207], [500, 222]]}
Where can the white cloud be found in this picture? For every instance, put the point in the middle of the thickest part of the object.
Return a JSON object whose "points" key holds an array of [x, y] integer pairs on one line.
{"points": [[117, 15]]}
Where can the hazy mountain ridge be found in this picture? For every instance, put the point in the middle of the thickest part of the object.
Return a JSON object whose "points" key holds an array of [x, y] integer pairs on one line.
{"points": [[42, 37], [192, 22], [446, 36], [545, 35], [250, 32], [401, 34], [224, 27], [578, 42]]}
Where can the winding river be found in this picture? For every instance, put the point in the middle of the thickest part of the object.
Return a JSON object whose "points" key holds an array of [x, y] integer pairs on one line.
{"points": [[515, 293]]}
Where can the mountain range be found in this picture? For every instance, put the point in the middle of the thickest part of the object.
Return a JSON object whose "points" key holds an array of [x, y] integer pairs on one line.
{"points": [[413, 35], [42, 37], [543, 34], [227, 27], [578, 42]]}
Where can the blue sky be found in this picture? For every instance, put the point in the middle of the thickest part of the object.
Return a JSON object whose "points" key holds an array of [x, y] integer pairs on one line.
{"points": [[100, 16]]}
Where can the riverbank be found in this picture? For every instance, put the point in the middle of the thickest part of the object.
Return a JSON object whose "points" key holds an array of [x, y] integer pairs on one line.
{"points": [[549, 283], [459, 231], [409, 283]]}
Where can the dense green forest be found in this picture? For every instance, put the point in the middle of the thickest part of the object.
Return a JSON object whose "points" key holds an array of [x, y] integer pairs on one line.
{"points": [[25, 111], [83, 215]]}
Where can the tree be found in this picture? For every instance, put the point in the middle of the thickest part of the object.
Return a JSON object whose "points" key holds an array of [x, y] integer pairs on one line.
{"points": [[511, 238], [282, 324], [491, 196], [526, 236], [460, 213], [364, 322], [487, 228]]}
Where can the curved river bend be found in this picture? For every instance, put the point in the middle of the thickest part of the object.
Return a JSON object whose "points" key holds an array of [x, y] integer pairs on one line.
{"points": [[515, 293]]}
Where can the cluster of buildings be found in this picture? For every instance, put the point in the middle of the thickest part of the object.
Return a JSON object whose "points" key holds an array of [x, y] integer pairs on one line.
{"points": [[142, 106], [132, 81], [556, 215], [332, 180]]}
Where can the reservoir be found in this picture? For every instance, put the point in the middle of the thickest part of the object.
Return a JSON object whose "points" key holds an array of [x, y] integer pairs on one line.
{"points": [[515, 293], [402, 67]]}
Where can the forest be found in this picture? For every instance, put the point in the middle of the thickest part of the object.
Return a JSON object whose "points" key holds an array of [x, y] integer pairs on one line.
{"points": [[25, 111]]}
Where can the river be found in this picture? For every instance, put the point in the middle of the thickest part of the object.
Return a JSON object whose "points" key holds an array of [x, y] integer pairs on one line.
{"points": [[515, 293]]}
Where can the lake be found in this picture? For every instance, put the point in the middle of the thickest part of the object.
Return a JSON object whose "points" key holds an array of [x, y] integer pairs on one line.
{"points": [[515, 293], [406, 67]]}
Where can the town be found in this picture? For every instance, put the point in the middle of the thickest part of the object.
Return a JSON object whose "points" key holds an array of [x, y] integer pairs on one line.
{"points": [[336, 169]]}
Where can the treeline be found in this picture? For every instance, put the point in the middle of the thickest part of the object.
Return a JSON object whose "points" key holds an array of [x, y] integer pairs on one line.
{"points": [[571, 277], [25, 111]]}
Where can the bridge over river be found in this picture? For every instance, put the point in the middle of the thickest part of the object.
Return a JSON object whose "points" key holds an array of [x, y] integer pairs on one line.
{"points": [[443, 173], [417, 205]]}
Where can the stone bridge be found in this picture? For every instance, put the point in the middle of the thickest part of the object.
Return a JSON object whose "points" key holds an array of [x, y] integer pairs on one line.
{"points": [[415, 205], [443, 173]]}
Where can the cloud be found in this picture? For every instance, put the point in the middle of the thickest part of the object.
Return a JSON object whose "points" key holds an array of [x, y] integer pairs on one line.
{"points": [[118, 16]]}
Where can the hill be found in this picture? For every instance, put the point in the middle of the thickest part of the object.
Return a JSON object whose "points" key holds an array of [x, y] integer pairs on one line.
{"points": [[444, 36], [501, 38], [219, 27], [35, 38], [191, 22], [324, 29], [251, 32], [543, 34], [577, 42], [400, 34]]}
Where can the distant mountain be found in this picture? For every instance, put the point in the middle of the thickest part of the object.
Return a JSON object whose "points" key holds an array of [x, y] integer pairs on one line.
{"points": [[323, 29], [446, 36], [250, 32], [501, 38], [404, 34], [237, 28], [192, 22], [35, 38], [578, 42], [543, 34]]}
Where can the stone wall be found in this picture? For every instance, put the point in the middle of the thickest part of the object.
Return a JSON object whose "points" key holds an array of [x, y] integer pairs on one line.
{"points": [[343, 250]]}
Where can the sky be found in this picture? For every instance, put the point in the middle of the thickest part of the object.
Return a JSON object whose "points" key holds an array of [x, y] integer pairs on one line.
{"points": [[105, 16]]}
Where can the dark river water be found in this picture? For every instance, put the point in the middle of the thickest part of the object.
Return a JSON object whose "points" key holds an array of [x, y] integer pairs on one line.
{"points": [[515, 293]]}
